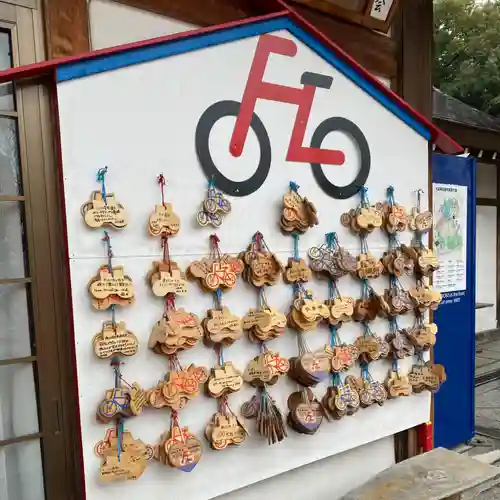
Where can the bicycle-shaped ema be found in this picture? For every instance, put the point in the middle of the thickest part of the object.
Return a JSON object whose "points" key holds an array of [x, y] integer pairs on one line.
{"points": [[213, 208], [257, 88], [117, 401]]}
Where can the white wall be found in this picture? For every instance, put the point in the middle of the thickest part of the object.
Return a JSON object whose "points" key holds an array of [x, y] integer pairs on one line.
{"points": [[327, 479], [128, 24], [113, 24], [486, 244]]}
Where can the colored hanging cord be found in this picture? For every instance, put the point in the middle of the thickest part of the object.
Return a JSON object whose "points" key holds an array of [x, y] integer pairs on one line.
{"points": [[258, 245], [420, 357], [295, 188], [330, 239], [420, 192], [109, 250], [162, 182], [390, 196], [365, 373], [299, 288], [393, 280], [302, 344], [174, 363], [333, 292], [395, 365], [215, 251], [418, 234], [101, 174], [214, 246], [296, 254], [364, 243], [365, 289], [365, 202], [393, 326], [166, 251], [113, 315], [336, 380], [394, 242], [115, 363], [419, 320], [366, 329]]}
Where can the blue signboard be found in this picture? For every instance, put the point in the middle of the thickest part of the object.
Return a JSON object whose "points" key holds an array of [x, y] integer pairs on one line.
{"points": [[454, 206]]}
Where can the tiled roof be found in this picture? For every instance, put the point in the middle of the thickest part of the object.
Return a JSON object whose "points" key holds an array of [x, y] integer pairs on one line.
{"points": [[450, 109]]}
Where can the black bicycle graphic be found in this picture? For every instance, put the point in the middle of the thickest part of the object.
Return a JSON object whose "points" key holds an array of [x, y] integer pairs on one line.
{"points": [[246, 118]]}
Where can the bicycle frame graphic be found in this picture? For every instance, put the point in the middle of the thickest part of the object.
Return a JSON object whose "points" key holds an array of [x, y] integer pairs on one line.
{"points": [[256, 88]]}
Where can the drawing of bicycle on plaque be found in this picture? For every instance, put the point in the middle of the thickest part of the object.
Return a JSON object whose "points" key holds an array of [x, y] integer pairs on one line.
{"points": [[246, 119]]}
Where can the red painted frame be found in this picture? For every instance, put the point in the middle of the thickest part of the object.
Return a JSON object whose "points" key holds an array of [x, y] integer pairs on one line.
{"points": [[257, 88]]}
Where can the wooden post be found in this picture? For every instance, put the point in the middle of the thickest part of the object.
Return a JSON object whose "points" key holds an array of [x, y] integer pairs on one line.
{"points": [[413, 31], [66, 26]]}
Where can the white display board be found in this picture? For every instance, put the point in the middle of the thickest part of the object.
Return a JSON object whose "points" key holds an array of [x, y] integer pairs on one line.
{"points": [[139, 121]]}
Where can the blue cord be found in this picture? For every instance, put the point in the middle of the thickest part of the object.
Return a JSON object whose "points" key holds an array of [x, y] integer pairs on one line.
{"points": [[101, 174], [364, 196], [296, 255], [390, 195]]}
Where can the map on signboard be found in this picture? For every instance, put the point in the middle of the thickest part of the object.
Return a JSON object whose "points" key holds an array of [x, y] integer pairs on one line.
{"points": [[450, 226], [448, 231]]}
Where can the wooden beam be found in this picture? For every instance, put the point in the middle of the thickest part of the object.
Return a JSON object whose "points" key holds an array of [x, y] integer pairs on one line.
{"points": [[471, 137], [66, 26], [355, 11], [199, 12], [413, 33], [486, 202], [376, 52], [20, 439]]}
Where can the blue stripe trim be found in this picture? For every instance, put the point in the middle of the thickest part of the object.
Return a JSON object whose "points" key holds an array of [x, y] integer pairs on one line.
{"points": [[169, 48], [118, 60]]}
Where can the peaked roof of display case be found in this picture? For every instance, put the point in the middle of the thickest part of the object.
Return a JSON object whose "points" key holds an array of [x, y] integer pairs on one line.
{"points": [[108, 59]]}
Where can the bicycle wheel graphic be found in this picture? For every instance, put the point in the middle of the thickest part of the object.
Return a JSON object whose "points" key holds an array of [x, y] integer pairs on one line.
{"points": [[338, 124], [208, 119]]}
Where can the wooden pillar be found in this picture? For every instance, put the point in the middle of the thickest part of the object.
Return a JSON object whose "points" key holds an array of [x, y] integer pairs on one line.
{"points": [[413, 31], [66, 26]]}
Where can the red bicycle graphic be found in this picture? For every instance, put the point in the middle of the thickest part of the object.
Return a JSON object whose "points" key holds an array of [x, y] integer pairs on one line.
{"points": [[257, 88]]}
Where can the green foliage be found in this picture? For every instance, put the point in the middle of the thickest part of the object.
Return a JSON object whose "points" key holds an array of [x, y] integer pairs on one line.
{"points": [[467, 52]]}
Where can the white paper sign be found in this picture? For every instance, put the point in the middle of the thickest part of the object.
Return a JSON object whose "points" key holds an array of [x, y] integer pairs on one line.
{"points": [[381, 8], [450, 236]]}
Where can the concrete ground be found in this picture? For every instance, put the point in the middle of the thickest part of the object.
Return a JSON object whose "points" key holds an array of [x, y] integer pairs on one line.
{"points": [[487, 438], [488, 411], [487, 356]]}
